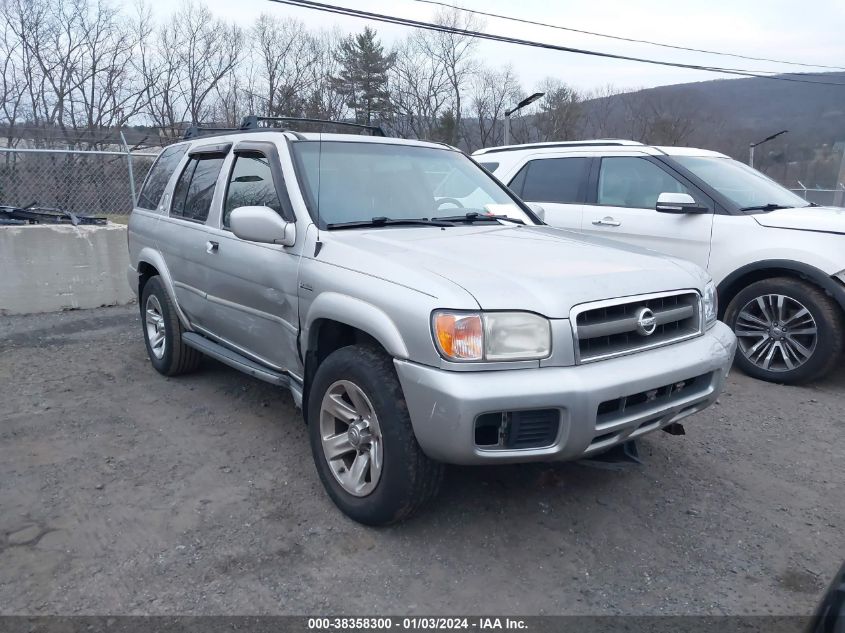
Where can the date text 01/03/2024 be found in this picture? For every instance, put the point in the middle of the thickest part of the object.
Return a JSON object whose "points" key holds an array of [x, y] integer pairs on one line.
{"points": [[415, 623]]}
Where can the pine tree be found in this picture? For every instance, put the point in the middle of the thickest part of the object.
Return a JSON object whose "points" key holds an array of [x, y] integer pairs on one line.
{"points": [[363, 76]]}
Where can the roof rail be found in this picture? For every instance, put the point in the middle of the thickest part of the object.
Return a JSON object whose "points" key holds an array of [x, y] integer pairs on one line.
{"points": [[586, 143], [251, 123], [195, 131]]}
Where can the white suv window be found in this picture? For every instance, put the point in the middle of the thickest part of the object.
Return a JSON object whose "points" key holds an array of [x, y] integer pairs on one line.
{"points": [[560, 180], [628, 181]]}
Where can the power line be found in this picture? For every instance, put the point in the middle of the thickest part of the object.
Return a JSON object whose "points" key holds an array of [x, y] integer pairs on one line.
{"points": [[389, 19], [628, 39]]}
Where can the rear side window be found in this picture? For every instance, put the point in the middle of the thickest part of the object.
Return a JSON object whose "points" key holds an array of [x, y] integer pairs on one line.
{"points": [[491, 167], [251, 184], [195, 188], [159, 175], [561, 180]]}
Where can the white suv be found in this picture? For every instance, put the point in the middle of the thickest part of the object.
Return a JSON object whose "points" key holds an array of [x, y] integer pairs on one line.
{"points": [[779, 262]]}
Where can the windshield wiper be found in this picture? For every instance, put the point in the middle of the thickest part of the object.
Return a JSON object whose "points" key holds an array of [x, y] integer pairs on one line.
{"points": [[766, 207], [474, 216], [383, 221]]}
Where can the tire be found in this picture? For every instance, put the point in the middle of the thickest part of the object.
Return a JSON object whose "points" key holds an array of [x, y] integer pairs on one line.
{"points": [[759, 331], [407, 479], [173, 357]]}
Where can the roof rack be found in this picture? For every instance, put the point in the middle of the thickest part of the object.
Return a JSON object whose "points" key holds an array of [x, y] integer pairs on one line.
{"points": [[587, 143], [251, 123], [195, 131]]}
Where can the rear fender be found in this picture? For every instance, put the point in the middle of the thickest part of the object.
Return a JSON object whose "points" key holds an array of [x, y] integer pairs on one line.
{"points": [[154, 259]]}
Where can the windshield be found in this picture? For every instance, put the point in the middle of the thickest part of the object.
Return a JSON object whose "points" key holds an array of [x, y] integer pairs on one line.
{"points": [[744, 186], [356, 182]]}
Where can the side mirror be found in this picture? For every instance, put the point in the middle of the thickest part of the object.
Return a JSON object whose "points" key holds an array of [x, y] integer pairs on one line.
{"points": [[263, 225], [678, 203], [538, 210]]}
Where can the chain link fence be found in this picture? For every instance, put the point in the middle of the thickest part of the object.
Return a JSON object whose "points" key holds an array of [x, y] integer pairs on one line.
{"points": [[93, 183], [104, 183], [823, 197]]}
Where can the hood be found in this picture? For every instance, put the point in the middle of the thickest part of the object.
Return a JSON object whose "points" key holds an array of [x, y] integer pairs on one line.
{"points": [[540, 269], [825, 219]]}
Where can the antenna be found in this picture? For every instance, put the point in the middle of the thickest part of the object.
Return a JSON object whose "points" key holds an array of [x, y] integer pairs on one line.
{"points": [[319, 245]]}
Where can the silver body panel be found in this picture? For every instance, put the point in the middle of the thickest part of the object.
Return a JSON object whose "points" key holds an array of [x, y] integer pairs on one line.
{"points": [[263, 301], [444, 405]]}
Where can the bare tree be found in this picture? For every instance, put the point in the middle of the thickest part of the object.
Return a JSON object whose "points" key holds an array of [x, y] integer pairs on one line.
{"points": [[206, 51], [454, 52], [560, 111], [284, 55], [14, 86], [492, 93], [601, 113], [323, 100], [420, 89]]}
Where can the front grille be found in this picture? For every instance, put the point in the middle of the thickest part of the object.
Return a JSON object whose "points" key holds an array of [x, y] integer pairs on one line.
{"points": [[517, 429], [610, 328], [610, 411]]}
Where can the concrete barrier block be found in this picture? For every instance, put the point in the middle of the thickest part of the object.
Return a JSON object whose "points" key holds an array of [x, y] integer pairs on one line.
{"points": [[45, 268]]}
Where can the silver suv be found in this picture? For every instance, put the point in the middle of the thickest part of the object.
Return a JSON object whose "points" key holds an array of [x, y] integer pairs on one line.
{"points": [[417, 310]]}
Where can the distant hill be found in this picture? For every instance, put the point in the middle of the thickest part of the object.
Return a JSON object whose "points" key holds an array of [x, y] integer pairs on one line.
{"points": [[728, 114]]}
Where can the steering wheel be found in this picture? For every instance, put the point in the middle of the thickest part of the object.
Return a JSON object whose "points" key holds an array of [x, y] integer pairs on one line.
{"points": [[443, 201]]}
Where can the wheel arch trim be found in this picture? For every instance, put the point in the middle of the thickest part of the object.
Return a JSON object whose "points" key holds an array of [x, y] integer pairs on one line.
{"points": [[152, 257], [358, 314], [818, 277]]}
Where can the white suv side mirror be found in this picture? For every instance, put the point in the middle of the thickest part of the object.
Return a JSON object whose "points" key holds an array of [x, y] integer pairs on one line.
{"points": [[262, 224], [538, 210], [678, 203]]}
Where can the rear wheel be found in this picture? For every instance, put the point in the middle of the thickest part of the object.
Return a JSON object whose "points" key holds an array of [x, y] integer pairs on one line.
{"points": [[362, 440], [787, 330], [163, 332]]}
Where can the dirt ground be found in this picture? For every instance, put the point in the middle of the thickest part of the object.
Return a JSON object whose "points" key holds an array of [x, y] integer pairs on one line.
{"points": [[123, 492]]}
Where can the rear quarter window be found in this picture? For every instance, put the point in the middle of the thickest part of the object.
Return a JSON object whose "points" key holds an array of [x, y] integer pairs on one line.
{"points": [[560, 180], [159, 176], [195, 188]]}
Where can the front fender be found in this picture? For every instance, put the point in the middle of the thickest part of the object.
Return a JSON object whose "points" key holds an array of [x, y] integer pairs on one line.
{"points": [[358, 314], [820, 278], [152, 257]]}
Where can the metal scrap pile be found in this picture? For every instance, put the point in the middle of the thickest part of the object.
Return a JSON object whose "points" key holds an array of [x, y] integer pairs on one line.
{"points": [[43, 215]]}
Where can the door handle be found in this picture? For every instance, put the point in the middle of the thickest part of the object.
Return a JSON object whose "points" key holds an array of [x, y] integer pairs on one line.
{"points": [[211, 247], [607, 221]]}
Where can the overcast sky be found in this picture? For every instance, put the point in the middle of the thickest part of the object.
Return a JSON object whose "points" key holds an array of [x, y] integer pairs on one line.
{"points": [[808, 32]]}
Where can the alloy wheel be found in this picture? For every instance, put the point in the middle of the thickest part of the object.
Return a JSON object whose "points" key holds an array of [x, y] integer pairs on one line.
{"points": [[154, 322], [351, 438], [776, 333]]}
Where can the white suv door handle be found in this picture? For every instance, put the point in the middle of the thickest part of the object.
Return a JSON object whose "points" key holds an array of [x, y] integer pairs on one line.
{"points": [[211, 247], [607, 221]]}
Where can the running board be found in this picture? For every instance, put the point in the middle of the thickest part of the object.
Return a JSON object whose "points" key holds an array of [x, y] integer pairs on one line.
{"points": [[233, 359]]}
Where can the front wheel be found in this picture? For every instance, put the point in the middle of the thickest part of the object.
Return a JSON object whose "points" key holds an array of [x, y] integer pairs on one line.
{"points": [[788, 331], [362, 440]]}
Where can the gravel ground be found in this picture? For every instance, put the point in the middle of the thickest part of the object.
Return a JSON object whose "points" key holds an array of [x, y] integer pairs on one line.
{"points": [[123, 492]]}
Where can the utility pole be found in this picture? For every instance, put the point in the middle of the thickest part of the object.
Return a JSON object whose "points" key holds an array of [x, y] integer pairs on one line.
{"points": [[519, 106], [751, 146]]}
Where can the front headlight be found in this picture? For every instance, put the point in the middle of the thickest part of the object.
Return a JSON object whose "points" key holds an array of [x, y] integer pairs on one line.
{"points": [[711, 303], [491, 336]]}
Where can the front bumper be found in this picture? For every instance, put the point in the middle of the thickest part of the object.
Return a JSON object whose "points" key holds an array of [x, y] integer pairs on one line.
{"points": [[445, 404]]}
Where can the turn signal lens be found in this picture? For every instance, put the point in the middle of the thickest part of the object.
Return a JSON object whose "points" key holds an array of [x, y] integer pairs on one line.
{"points": [[460, 336], [711, 303]]}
